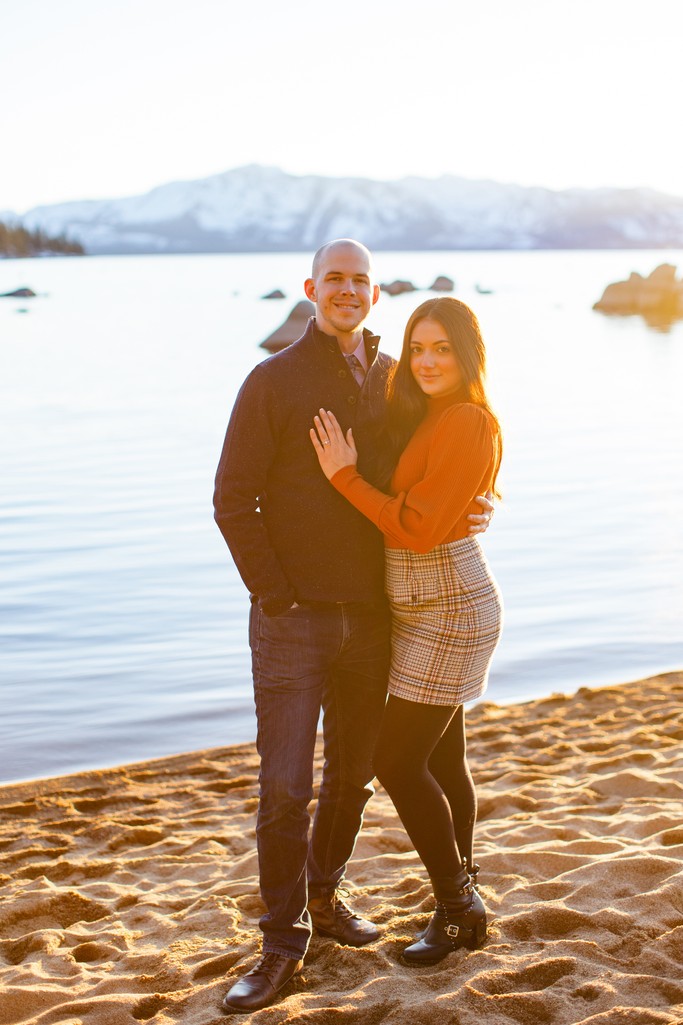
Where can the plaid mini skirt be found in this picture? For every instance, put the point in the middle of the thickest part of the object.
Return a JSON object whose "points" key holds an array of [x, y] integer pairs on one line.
{"points": [[446, 614]]}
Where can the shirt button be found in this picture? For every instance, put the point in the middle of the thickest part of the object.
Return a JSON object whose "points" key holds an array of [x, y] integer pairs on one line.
{"points": [[341, 373], [351, 400]]}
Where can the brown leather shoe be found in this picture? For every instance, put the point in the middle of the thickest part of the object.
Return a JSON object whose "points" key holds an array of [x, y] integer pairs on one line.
{"points": [[261, 985], [331, 917]]}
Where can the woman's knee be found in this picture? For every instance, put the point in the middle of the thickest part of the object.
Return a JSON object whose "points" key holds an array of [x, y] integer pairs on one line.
{"points": [[394, 769]]}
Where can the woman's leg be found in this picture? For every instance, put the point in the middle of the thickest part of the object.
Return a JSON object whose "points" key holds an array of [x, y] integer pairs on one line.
{"points": [[448, 765], [409, 734]]}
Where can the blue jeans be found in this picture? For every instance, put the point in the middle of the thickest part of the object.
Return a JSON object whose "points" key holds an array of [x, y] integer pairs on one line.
{"points": [[334, 657]]}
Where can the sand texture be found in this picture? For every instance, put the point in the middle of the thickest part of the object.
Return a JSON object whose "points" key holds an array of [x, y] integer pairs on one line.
{"points": [[130, 895]]}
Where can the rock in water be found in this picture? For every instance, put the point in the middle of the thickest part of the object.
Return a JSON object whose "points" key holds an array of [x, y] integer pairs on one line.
{"points": [[442, 284], [293, 327], [19, 293], [658, 298], [275, 294], [398, 287]]}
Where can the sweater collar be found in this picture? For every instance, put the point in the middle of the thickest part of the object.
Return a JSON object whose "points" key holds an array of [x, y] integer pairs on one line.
{"points": [[330, 342], [439, 403]]}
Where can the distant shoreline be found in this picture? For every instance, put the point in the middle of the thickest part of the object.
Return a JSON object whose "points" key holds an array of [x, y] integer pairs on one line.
{"points": [[256, 209]]}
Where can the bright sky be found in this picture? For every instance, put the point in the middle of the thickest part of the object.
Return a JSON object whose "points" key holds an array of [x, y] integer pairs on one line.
{"points": [[112, 97]]}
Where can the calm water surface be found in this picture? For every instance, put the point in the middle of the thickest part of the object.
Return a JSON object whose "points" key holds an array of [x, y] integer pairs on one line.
{"points": [[122, 619]]}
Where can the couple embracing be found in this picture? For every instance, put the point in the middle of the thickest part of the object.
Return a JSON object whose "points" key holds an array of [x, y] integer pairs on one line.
{"points": [[347, 479]]}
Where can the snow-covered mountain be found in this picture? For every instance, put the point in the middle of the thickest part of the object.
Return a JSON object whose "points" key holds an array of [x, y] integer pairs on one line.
{"points": [[263, 209]]}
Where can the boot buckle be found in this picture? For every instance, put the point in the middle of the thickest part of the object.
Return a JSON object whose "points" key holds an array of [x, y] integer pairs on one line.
{"points": [[452, 931]]}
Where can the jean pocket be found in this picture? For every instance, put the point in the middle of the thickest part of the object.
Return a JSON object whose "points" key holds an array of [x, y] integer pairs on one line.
{"points": [[281, 615]]}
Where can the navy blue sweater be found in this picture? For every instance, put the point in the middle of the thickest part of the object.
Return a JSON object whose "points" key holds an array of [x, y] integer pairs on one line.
{"points": [[292, 535]]}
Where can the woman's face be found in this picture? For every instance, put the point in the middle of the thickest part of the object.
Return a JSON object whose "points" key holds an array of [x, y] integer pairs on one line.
{"points": [[432, 360]]}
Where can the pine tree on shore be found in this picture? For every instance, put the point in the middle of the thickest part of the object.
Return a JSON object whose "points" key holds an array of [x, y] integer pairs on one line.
{"points": [[17, 242]]}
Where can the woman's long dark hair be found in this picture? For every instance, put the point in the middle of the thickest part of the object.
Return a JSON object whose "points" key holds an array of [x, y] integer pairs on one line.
{"points": [[407, 403]]}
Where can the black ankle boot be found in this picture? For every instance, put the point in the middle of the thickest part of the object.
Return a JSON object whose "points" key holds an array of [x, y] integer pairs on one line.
{"points": [[458, 921], [474, 874], [474, 877]]}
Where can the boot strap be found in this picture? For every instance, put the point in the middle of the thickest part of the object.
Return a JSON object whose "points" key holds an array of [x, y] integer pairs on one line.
{"points": [[453, 931]]}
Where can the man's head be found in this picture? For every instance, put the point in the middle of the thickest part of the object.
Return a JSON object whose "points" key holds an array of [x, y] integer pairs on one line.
{"points": [[342, 287]]}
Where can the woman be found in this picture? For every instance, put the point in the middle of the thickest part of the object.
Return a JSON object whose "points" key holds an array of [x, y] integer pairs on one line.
{"points": [[446, 610]]}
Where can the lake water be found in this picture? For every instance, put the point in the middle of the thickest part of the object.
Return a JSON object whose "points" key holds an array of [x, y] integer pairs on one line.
{"points": [[122, 618]]}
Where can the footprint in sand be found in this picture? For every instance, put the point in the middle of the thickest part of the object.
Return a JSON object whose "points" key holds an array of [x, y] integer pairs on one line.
{"points": [[226, 785], [16, 951], [88, 953], [544, 923], [216, 966], [61, 911], [148, 1007], [672, 838], [532, 978], [137, 837]]}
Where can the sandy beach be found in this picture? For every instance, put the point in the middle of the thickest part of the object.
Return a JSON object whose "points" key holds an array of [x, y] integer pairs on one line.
{"points": [[130, 895]]}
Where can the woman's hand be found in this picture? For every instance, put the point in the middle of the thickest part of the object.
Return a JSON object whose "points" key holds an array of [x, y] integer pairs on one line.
{"points": [[334, 450], [480, 523]]}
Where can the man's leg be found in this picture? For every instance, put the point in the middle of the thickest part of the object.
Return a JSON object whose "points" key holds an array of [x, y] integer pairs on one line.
{"points": [[311, 655], [289, 655], [353, 701], [289, 658]]}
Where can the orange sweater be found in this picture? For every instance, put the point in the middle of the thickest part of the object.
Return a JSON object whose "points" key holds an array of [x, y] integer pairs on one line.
{"points": [[449, 460]]}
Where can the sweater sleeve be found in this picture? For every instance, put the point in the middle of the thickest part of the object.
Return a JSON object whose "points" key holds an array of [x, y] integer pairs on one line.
{"points": [[248, 452], [460, 451]]}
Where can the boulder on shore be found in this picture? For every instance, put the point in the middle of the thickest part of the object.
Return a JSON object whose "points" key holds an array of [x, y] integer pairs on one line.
{"points": [[658, 298], [442, 284], [293, 327], [398, 287], [19, 293], [275, 294]]}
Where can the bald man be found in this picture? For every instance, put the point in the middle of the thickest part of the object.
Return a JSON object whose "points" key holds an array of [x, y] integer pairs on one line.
{"points": [[319, 626]]}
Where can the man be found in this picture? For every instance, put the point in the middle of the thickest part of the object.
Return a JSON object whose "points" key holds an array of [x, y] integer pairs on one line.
{"points": [[319, 624]]}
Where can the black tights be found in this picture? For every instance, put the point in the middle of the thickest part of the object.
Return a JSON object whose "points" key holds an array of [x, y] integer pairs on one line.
{"points": [[421, 761]]}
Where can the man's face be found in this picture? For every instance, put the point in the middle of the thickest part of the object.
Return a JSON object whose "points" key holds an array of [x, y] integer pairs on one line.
{"points": [[342, 290]]}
